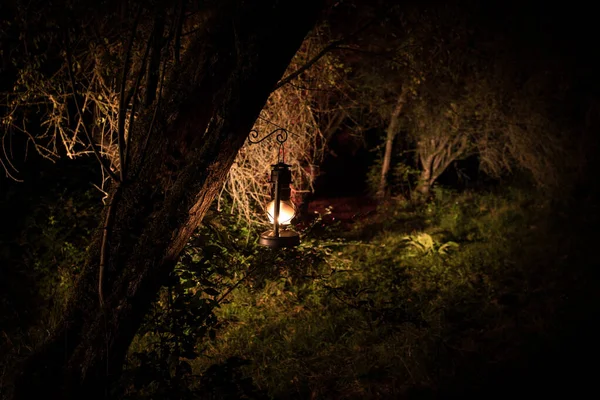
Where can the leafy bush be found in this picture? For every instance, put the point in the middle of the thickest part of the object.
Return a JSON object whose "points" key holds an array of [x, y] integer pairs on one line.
{"points": [[402, 177], [43, 243], [398, 303], [377, 317], [423, 243], [221, 258]]}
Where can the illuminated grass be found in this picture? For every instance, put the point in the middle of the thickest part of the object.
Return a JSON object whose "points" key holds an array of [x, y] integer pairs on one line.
{"points": [[378, 317]]}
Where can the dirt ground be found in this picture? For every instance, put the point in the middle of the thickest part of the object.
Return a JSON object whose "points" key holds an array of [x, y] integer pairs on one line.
{"points": [[343, 208]]}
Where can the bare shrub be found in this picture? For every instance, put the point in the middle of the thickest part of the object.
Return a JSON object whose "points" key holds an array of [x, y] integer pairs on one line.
{"points": [[308, 109]]}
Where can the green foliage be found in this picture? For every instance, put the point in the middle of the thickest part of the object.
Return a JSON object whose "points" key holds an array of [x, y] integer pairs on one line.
{"points": [[185, 320], [397, 302], [423, 243], [183, 316], [374, 175], [50, 245], [59, 251], [371, 311], [43, 241], [401, 179]]}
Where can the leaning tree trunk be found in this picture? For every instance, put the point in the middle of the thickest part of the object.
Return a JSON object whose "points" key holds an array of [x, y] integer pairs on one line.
{"points": [[435, 155], [391, 132], [178, 161], [425, 177]]}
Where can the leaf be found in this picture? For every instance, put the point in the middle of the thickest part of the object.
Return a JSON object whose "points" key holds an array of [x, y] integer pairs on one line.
{"points": [[211, 291], [188, 284], [446, 247], [422, 242]]}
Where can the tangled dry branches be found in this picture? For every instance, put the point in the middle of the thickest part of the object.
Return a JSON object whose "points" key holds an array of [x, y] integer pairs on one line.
{"points": [[54, 114], [308, 109]]}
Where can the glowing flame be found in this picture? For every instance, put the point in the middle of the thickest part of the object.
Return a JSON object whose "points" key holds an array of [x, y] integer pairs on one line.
{"points": [[286, 212]]}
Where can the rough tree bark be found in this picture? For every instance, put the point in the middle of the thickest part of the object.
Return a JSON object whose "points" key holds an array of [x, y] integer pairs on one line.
{"points": [[153, 72], [435, 155], [177, 165], [391, 132]]}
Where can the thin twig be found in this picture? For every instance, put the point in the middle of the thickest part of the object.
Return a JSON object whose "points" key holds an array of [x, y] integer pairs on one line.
{"points": [[122, 105], [178, 32], [133, 105], [110, 213], [235, 285], [158, 99], [8, 163], [85, 130], [331, 46]]}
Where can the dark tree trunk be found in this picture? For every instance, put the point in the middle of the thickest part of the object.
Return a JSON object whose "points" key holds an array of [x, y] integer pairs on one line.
{"points": [[435, 155], [153, 71], [425, 178], [176, 168], [391, 132]]}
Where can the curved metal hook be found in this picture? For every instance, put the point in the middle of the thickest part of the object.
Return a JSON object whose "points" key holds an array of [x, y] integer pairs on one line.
{"points": [[281, 137]]}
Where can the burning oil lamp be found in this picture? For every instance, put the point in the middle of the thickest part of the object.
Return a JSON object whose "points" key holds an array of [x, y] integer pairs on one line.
{"points": [[280, 209]]}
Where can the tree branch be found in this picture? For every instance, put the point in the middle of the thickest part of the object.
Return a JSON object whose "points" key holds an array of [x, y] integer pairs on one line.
{"points": [[158, 42], [122, 104], [87, 133], [331, 46], [133, 104], [160, 89], [110, 213], [178, 32]]}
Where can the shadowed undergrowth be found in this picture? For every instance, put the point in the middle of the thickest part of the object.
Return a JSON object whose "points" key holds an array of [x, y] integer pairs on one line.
{"points": [[464, 295], [471, 295]]}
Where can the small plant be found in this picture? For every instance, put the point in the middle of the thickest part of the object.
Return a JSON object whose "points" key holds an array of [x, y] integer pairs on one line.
{"points": [[400, 181], [423, 243], [366, 316]]}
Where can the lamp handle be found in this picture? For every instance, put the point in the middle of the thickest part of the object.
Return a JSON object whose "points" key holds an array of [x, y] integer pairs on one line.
{"points": [[281, 137]]}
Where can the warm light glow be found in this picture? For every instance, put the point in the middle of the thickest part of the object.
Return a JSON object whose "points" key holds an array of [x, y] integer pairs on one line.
{"points": [[286, 211]]}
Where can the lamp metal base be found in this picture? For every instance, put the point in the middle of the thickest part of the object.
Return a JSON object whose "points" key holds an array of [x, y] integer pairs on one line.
{"points": [[286, 238]]}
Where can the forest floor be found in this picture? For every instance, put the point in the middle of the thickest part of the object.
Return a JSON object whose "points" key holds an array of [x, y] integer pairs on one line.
{"points": [[347, 209], [472, 295], [485, 294]]}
